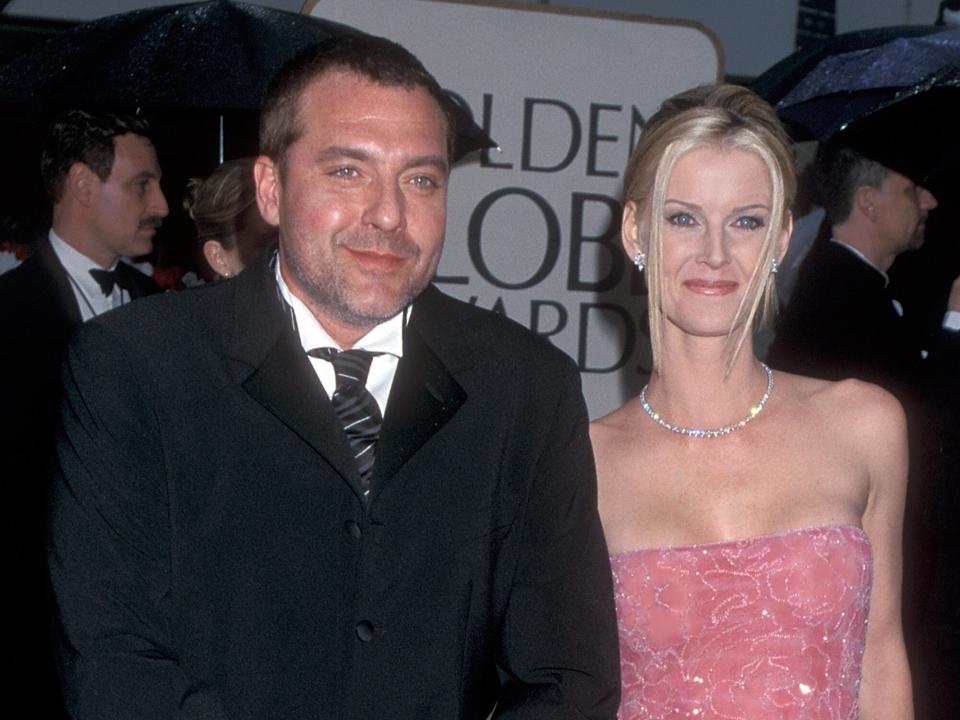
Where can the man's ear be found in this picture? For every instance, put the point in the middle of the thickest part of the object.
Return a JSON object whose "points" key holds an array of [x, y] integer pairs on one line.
{"points": [[80, 183], [864, 200], [266, 175]]}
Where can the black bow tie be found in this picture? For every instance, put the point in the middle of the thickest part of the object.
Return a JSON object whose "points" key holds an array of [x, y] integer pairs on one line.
{"points": [[106, 279]]}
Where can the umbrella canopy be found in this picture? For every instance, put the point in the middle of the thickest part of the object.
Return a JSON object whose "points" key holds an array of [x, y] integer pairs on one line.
{"points": [[212, 55], [844, 87], [774, 84], [217, 55], [898, 63], [891, 93], [916, 133]]}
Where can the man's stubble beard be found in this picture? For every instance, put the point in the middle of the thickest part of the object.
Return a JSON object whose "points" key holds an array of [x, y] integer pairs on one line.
{"points": [[329, 294]]}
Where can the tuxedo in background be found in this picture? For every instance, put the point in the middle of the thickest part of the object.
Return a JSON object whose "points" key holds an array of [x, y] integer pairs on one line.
{"points": [[38, 311], [213, 557], [101, 175], [842, 322]]}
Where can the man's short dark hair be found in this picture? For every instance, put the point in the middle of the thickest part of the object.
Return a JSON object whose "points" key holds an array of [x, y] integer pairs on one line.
{"points": [[840, 171], [80, 136], [377, 59]]}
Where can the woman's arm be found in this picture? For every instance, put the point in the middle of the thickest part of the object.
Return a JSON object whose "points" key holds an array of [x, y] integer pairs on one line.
{"points": [[881, 432]]}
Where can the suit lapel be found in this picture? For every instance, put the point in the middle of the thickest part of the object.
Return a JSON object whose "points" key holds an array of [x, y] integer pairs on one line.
{"points": [[276, 372], [423, 398], [61, 289]]}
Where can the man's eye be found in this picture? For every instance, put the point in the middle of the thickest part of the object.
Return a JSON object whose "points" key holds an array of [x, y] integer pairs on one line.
{"points": [[424, 181], [345, 172]]}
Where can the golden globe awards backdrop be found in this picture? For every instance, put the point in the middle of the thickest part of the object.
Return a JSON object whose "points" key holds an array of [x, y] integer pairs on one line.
{"points": [[533, 229]]}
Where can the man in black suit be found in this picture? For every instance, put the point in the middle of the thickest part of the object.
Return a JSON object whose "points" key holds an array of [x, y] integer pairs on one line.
{"points": [[842, 321], [222, 544], [101, 174]]}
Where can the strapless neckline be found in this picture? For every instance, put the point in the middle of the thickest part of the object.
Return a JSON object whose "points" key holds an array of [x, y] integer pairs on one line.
{"points": [[771, 627], [744, 541]]}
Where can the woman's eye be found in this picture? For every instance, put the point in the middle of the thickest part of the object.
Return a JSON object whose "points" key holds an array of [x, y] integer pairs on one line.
{"points": [[749, 222], [681, 219]]}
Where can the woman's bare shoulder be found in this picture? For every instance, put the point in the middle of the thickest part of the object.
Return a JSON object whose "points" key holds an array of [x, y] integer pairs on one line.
{"points": [[616, 422], [854, 409], [619, 434]]}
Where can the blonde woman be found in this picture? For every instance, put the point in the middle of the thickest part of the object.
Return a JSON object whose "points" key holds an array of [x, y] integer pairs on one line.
{"points": [[231, 232], [754, 518]]}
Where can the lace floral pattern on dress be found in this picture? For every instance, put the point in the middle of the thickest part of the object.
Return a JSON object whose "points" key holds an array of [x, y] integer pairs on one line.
{"points": [[768, 628]]}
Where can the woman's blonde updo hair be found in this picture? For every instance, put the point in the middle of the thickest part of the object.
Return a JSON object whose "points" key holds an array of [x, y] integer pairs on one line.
{"points": [[729, 117], [217, 204]]}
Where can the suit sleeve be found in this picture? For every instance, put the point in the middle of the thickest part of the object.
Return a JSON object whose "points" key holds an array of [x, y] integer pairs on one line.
{"points": [[560, 648], [109, 546]]}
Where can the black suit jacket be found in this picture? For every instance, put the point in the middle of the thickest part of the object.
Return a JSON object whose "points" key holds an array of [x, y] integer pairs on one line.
{"points": [[212, 557], [841, 323], [38, 311]]}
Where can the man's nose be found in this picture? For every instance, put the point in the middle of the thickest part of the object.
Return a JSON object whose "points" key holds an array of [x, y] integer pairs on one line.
{"points": [[385, 207], [927, 199], [158, 203]]}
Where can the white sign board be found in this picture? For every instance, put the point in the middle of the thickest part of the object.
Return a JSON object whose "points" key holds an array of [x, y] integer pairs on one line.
{"points": [[533, 229]]}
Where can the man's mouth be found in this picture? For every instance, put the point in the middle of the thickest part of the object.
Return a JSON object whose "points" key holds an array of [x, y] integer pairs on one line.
{"points": [[377, 261]]}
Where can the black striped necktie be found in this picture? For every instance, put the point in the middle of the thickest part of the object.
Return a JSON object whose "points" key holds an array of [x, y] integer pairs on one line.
{"points": [[355, 405]]}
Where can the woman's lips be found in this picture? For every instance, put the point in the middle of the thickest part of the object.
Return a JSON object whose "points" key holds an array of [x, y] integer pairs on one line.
{"points": [[711, 287]]}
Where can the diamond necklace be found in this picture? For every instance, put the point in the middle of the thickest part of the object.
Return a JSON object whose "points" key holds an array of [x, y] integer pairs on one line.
{"points": [[714, 432]]}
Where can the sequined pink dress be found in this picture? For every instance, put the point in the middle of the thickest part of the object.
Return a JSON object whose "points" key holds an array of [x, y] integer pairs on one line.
{"points": [[769, 628]]}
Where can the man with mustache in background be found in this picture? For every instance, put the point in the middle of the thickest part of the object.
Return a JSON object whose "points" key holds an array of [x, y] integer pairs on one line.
{"points": [[101, 174]]}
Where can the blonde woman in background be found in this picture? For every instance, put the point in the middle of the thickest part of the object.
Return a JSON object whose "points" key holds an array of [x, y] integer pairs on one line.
{"points": [[230, 229], [754, 518]]}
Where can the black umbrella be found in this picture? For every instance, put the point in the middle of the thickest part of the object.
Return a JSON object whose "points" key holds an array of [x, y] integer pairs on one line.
{"points": [[212, 55], [915, 133], [868, 88], [846, 87], [774, 84], [217, 55]]}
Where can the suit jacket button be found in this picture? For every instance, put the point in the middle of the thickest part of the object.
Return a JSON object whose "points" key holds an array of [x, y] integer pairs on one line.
{"points": [[353, 528], [365, 631]]}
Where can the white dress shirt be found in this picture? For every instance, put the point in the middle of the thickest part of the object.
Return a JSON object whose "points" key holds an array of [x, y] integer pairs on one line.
{"points": [[89, 295], [386, 339]]}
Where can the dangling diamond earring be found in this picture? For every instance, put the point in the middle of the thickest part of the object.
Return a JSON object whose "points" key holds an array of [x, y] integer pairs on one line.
{"points": [[640, 260], [774, 267]]}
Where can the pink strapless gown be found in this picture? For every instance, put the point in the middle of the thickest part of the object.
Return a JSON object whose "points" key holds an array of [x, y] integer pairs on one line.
{"points": [[769, 628]]}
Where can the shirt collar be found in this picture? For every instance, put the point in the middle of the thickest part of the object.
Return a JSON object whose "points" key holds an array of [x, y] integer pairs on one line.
{"points": [[857, 253], [387, 337], [77, 265]]}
